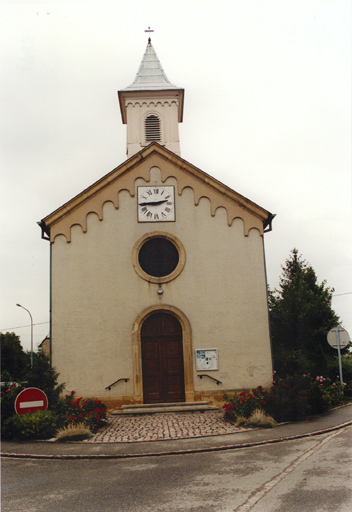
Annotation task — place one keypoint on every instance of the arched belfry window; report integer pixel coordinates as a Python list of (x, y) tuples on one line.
[(152, 128)]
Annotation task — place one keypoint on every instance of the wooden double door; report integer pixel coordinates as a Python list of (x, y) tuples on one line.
[(162, 359)]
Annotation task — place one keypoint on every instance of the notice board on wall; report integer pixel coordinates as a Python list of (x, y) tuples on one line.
[(207, 359)]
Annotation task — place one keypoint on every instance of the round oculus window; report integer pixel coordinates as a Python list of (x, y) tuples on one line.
[(158, 257)]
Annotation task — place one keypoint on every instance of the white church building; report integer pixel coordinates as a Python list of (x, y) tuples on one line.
[(158, 283)]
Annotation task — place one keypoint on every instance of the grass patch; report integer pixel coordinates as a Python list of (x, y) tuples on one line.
[(77, 432), (259, 419)]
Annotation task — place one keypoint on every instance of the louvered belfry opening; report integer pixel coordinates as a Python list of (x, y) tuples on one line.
[(152, 128)]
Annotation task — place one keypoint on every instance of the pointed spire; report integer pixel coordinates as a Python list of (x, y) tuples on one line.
[(151, 94), (150, 75)]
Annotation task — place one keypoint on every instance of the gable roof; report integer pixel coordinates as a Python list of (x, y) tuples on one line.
[(123, 177)]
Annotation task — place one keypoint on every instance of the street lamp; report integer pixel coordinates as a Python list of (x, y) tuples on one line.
[(19, 305)]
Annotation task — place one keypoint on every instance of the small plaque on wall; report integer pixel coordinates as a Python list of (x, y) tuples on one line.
[(206, 359)]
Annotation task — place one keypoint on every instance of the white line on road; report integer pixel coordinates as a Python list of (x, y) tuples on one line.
[(258, 495)]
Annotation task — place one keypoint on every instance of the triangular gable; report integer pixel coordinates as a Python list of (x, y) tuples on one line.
[(75, 211)]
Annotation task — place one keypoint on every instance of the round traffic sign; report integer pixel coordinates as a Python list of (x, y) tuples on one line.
[(31, 400), (344, 338)]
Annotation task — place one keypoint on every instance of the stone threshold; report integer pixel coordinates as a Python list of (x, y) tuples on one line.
[(167, 407)]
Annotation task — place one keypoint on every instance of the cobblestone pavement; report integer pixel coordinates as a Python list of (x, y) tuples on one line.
[(162, 426)]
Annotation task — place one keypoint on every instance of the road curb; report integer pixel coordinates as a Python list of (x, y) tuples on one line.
[(174, 452)]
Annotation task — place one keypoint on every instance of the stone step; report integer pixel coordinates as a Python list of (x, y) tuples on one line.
[(169, 407)]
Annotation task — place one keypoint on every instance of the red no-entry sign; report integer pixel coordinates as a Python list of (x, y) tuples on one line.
[(31, 400)]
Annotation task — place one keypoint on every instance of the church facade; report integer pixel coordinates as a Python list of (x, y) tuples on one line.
[(158, 285)]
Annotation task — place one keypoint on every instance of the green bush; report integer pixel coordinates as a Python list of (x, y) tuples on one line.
[(296, 397), (39, 425), (286, 400)]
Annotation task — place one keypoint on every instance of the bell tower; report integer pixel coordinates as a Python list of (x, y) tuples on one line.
[(151, 107)]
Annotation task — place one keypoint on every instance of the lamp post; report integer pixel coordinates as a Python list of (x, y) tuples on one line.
[(19, 305)]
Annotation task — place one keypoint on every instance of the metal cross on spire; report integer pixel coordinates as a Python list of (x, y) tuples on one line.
[(149, 30)]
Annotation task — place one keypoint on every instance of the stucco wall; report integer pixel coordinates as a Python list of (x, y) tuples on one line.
[(97, 296)]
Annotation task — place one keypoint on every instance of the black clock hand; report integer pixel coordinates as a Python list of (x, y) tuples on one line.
[(153, 203)]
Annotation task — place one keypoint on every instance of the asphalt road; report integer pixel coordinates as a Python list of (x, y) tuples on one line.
[(310, 474)]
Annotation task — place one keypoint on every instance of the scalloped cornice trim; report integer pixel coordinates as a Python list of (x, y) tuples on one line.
[(151, 103), (107, 189)]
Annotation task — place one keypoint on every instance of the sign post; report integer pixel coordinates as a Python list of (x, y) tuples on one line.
[(31, 400), (338, 338)]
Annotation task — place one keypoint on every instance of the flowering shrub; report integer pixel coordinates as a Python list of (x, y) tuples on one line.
[(336, 390), (242, 404), (8, 397), (89, 411), (296, 397), (288, 399)]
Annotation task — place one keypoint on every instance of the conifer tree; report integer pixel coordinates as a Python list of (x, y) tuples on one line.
[(300, 318)]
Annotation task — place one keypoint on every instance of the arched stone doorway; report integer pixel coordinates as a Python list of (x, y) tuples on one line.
[(162, 356), (162, 359)]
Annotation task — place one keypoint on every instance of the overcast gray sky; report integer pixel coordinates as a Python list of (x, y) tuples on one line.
[(267, 112)]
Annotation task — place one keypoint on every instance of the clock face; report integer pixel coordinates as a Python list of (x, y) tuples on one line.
[(156, 204)]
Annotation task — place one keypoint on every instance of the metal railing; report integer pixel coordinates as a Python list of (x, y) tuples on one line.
[(213, 378), (116, 381)]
